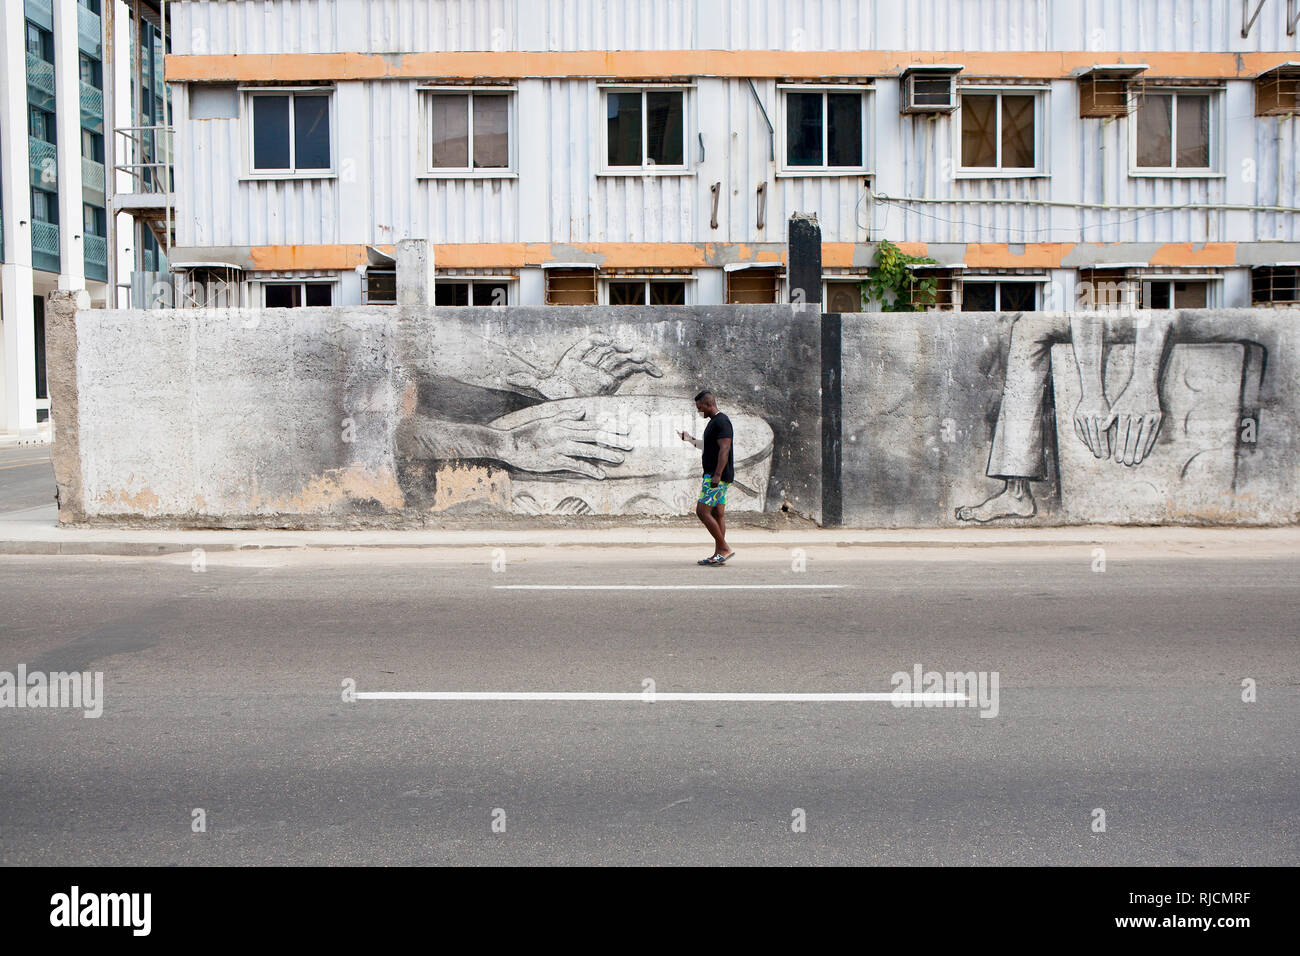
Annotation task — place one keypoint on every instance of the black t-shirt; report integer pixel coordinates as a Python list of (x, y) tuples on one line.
[(719, 427)]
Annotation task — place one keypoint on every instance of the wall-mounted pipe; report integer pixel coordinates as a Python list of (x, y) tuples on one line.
[(762, 204), (716, 189)]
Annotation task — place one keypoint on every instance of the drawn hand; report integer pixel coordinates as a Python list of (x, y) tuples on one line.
[(1137, 416), (561, 442), (594, 366), (1090, 416)]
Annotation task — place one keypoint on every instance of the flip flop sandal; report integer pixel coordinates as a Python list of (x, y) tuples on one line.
[(716, 561), (709, 560), (725, 558)]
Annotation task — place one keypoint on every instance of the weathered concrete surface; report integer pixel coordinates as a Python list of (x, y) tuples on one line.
[(925, 393), (389, 417)]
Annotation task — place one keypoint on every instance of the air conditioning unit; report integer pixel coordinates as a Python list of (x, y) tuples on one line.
[(1106, 90), (930, 89)]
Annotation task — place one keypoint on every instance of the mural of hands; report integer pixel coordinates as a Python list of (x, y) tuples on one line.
[(1136, 416), (1090, 424), (594, 366), (563, 441)]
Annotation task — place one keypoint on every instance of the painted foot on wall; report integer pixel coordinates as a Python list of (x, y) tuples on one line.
[(1005, 504)]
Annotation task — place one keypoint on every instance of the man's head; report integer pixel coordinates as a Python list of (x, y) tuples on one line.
[(706, 404)]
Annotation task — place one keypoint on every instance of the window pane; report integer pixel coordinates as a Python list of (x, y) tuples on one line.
[(843, 297), (1017, 132), (627, 293), (803, 129), (318, 293), (1156, 295), (1193, 131), (979, 296), (490, 293), (491, 131), (311, 120), (844, 138), (667, 293), (450, 293), (664, 128), (1191, 295), (450, 131), (1018, 296), (282, 297), (752, 286), (623, 112), (1154, 133), (270, 132), (979, 127)]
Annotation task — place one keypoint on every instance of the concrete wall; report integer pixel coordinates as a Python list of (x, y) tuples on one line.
[(407, 416), (395, 416), (942, 411)]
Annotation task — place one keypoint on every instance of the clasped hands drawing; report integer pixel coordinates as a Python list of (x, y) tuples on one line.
[(1135, 415), (562, 441)]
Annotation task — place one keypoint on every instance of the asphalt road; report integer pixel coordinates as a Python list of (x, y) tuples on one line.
[(1119, 691), (26, 478)]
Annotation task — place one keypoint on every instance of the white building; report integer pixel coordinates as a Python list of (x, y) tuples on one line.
[(58, 229)]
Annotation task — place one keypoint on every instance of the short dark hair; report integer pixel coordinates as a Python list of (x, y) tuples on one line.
[(703, 395)]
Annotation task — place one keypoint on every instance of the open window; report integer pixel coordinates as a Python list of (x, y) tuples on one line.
[(480, 290), (278, 294), (1177, 291), (935, 288), (1110, 89)]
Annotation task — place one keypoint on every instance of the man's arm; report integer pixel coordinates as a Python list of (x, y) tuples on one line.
[(1136, 414), (724, 452), (1086, 332)]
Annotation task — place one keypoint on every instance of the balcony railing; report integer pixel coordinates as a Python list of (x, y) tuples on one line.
[(40, 74), (89, 30), (44, 160), (92, 175), (96, 248), (146, 154), (45, 245), (92, 106)]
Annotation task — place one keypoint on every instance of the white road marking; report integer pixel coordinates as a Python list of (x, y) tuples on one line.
[(667, 587), (656, 697)]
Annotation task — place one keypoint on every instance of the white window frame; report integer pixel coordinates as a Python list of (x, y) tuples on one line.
[(1213, 286), (249, 93), (1042, 166), (997, 280), (430, 171), (686, 280), (785, 170), (1212, 171), (333, 283), (646, 168), (828, 281), (508, 281)]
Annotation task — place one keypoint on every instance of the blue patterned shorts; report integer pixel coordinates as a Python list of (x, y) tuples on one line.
[(712, 496)]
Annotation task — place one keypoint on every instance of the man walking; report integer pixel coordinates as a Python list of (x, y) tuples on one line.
[(719, 472)]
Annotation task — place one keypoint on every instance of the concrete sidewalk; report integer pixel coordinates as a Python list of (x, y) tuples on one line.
[(35, 531)]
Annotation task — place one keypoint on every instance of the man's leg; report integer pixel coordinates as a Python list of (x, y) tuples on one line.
[(1017, 453), (720, 515), (705, 514)]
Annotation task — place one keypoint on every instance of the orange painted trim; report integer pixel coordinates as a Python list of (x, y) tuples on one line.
[(660, 64), (1195, 254), (998, 255), (713, 255)]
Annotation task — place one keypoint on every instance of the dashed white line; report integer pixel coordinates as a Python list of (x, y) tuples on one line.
[(658, 696)]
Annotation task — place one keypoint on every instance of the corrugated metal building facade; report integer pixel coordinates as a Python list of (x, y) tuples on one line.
[(1083, 204)]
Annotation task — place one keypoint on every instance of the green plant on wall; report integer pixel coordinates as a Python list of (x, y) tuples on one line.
[(893, 286)]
